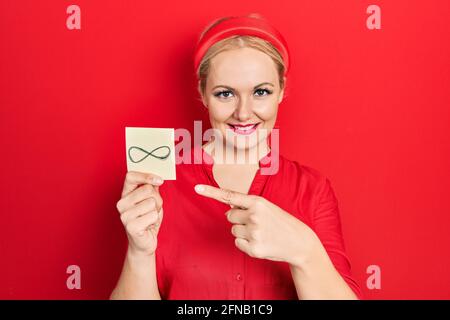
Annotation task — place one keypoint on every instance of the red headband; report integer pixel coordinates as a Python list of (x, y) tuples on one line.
[(242, 26)]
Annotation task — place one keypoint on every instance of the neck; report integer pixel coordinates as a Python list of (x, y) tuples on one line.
[(232, 155)]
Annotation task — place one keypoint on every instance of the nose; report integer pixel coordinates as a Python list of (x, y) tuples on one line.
[(244, 110)]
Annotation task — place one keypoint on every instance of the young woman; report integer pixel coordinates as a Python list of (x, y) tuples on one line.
[(228, 231)]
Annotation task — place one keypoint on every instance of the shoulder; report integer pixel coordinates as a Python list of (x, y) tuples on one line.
[(298, 188), (302, 175), (309, 186)]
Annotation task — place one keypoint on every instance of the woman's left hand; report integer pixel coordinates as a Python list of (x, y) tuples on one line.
[(264, 230)]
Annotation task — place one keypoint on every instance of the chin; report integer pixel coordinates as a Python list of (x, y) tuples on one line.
[(244, 143), (243, 147)]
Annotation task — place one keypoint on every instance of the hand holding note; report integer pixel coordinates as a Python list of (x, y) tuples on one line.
[(150, 161)]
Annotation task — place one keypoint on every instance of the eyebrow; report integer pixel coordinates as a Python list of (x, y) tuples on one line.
[(259, 85)]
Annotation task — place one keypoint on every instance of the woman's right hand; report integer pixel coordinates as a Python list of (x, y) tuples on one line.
[(141, 211)]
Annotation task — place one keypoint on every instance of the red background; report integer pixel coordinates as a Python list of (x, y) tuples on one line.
[(368, 108)]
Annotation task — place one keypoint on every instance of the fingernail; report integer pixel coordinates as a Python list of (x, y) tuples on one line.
[(157, 180), (199, 188)]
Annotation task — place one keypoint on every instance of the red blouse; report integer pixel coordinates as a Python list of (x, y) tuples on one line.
[(196, 257)]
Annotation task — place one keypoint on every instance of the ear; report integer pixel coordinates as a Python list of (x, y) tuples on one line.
[(280, 98), (201, 94)]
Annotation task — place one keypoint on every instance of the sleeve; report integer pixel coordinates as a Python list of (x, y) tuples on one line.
[(326, 224)]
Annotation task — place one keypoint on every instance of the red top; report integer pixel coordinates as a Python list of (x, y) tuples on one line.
[(196, 256)]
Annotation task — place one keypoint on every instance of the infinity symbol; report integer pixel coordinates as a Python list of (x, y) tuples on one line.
[(151, 153)]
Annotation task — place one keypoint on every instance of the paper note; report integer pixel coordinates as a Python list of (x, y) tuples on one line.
[(151, 150)]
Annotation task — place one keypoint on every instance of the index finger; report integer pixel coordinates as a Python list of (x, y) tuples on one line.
[(231, 197), (134, 178)]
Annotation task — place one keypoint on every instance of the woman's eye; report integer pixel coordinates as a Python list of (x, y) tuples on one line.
[(223, 94), (227, 93), (262, 92)]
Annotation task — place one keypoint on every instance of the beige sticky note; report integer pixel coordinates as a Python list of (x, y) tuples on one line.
[(151, 150)]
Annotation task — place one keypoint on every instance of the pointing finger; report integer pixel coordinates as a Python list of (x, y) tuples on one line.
[(225, 196)]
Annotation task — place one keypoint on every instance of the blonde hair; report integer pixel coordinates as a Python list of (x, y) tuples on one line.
[(235, 42)]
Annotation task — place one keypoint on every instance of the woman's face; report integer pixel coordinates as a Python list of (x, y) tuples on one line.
[(242, 94)]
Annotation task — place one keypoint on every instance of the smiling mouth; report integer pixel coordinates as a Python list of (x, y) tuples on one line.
[(243, 129)]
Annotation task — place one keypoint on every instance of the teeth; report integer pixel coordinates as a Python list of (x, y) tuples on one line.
[(246, 128)]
